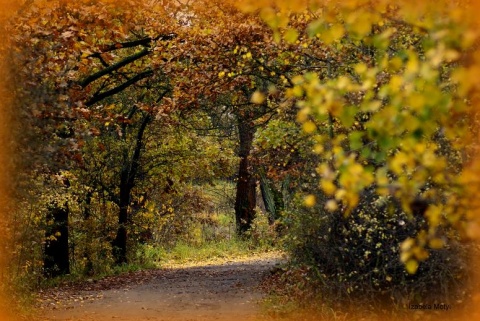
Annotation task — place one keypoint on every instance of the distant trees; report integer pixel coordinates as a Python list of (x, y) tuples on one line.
[(238, 69)]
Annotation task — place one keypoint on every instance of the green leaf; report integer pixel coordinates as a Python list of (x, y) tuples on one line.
[(356, 140), (348, 116), (315, 27), (291, 35)]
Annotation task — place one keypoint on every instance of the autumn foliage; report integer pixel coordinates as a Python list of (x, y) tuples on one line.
[(354, 122), (391, 111)]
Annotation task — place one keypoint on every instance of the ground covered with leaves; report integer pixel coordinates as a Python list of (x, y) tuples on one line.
[(211, 290)]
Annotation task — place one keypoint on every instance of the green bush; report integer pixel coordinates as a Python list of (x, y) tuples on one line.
[(262, 234)]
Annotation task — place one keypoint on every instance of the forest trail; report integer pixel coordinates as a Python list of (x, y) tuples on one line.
[(213, 290)]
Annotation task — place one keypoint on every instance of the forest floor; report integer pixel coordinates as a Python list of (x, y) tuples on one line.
[(213, 290)]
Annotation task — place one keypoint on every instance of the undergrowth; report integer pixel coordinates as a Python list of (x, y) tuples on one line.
[(295, 294), (350, 269), (184, 252)]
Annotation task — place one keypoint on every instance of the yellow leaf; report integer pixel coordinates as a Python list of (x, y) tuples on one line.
[(360, 68), (382, 178), (297, 91), (417, 101), (309, 127), (257, 98), (340, 194), (318, 149), (298, 80), (310, 200), (343, 82), (331, 205), (395, 64), (303, 114), (407, 244), (371, 106), (337, 31), (333, 34), (411, 266), (395, 83), (351, 200), (420, 253), (434, 215), (404, 256), (398, 161), (328, 187), (355, 169), (413, 65), (436, 243), (361, 25)]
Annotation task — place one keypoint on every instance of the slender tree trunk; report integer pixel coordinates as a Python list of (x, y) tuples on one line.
[(127, 182), (245, 200), (56, 259), (120, 242), (89, 234)]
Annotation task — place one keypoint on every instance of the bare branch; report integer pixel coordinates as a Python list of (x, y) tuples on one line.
[(84, 83), (116, 90)]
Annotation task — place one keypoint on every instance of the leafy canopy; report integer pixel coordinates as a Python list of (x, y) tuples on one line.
[(391, 105)]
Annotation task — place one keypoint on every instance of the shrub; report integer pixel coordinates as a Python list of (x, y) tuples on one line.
[(262, 234), (357, 259)]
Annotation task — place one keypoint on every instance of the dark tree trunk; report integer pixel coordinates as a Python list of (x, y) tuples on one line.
[(245, 200), (120, 242), (56, 260), (89, 232), (127, 182)]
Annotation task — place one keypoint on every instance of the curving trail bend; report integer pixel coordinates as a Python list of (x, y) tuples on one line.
[(210, 291)]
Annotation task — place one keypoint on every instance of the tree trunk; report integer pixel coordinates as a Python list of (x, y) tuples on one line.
[(120, 242), (89, 232), (56, 260), (127, 182), (245, 200)]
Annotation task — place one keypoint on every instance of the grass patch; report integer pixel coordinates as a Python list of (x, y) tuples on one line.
[(185, 253)]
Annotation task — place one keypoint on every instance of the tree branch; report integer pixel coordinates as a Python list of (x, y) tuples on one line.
[(116, 90), (146, 42), (84, 83)]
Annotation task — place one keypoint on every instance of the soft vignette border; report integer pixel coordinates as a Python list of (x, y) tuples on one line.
[(7, 8)]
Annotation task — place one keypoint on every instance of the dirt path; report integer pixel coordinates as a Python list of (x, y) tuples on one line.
[(211, 291)]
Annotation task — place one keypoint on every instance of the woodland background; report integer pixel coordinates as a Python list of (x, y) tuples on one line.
[(343, 133)]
